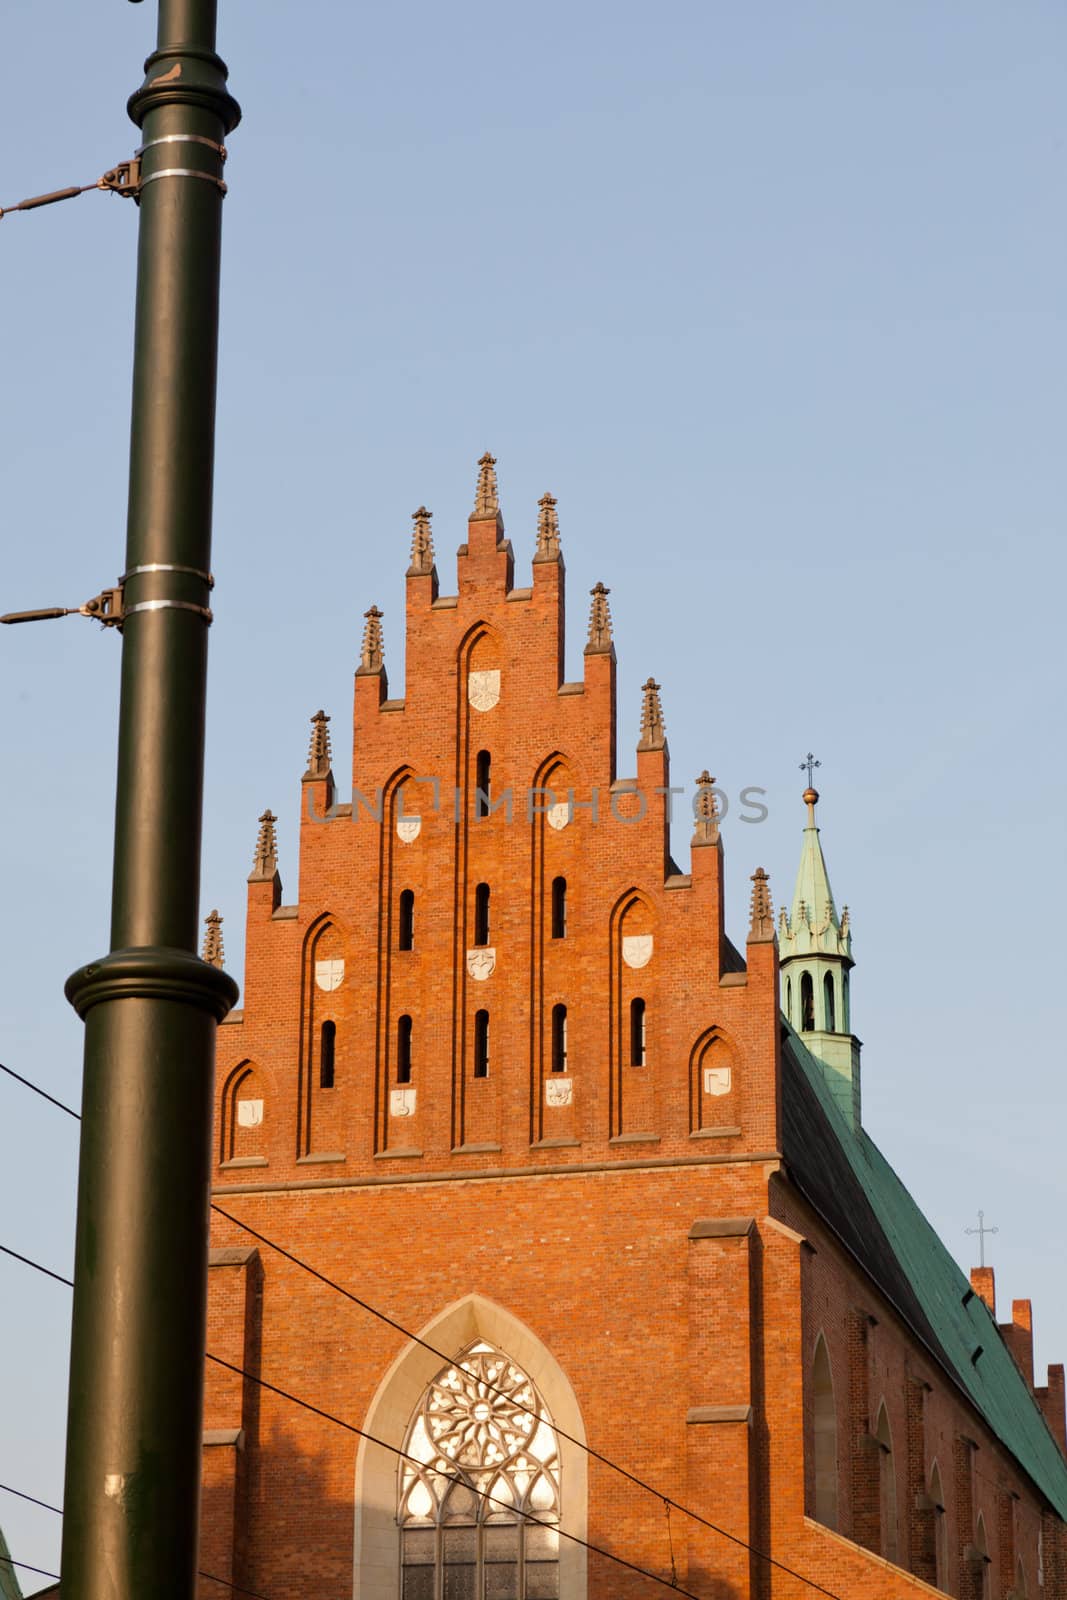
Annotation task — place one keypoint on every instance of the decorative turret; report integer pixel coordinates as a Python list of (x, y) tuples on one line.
[(266, 863), (372, 654), (653, 734), (213, 952), (319, 749), (707, 811), (547, 530), (761, 927), (422, 557), (816, 958), (486, 497), (600, 640)]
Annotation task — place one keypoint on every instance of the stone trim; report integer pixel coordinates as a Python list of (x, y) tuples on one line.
[(235, 1437), (473, 1149), (719, 1414), (722, 1227), (497, 1174), (232, 1255), (715, 1133), (327, 1155), (394, 1155), (245, 1161), (634, 1138)]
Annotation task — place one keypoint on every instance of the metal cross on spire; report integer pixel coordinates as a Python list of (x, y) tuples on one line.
[(981, 1231), (810, 763)]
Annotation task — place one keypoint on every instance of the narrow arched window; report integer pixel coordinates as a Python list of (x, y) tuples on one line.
[(481, 913), (846, 1009), (981, 1544), (559, 1038), (828, 1003), (637, 1033), (824, 1414), (483, 783), (479, 1499), (481, 1044), (327, 1054), (807, 1003), (403, 1049), (887, 1486), (937, 1496), (406, 928), (559, 908), (789, 999)]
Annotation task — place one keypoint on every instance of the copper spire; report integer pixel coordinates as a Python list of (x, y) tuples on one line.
[(486, 500), (653, 734), (547, 530), (599, 641), (266, 862), (213, 953), (761, 930), (319, 751), (422, 557), (372, 654)]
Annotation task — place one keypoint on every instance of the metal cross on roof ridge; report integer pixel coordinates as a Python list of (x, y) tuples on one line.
[(981, 1231)]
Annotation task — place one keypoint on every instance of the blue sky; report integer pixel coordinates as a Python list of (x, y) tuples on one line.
[(771, 298)]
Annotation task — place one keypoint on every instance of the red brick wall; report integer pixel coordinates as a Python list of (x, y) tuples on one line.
[(687, 1348)]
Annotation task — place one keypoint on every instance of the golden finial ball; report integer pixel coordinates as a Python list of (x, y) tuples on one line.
[(811, 797)]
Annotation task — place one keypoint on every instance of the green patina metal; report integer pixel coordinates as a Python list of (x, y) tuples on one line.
[(815, 945), (845, 1176), (9, 1584)]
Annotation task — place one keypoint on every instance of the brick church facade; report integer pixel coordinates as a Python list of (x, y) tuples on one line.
[(502, 1075)]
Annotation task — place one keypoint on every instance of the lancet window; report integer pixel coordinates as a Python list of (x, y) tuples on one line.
[(479, 1501)]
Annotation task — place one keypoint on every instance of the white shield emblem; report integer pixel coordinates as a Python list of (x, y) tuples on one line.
[(558, 1091), (328, 974), (401, 1102), (717, 1080), (249, 1113), (483, 689), (637, 949), (480, 963), (559, 815), (408, 828)]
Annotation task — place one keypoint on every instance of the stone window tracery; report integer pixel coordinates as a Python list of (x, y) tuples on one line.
[(479, 1503)]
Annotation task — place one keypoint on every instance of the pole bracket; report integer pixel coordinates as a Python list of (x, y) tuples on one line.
[(109, 607)]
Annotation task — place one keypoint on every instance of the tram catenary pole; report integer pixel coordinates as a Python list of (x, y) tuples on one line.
[(151, 1007)]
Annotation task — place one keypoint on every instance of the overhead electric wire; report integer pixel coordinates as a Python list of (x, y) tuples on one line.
[(45, 1505), (365, 1305), (24, 1566)]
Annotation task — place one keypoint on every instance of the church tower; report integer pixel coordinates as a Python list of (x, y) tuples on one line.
[(816, 958)]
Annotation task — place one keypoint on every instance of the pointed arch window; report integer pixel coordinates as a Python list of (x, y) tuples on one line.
[(559, 1038), (937, 1496), (559, 908), (403, 1049), (483, 1458), (327, 1054), (789, 999), (481, 913), (824, 1413), (807, 1003), (406, 920), (829, 1016), (887, 1485), (481, 1044), (637, 1033), (483, 777)]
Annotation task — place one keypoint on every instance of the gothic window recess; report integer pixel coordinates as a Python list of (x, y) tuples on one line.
[(480, 1497)]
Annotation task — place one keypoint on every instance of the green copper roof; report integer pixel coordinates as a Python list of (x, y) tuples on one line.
[(813, 926), (849, 1182), (9, 1584)]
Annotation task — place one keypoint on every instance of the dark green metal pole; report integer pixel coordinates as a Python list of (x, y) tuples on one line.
[(151, 1007)]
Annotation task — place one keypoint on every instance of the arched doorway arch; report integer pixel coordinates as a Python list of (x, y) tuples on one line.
[(389, 1416)]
